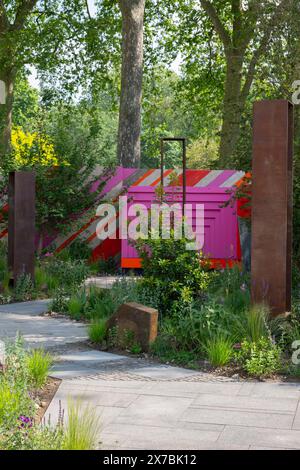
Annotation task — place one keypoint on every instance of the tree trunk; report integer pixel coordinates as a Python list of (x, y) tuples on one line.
[(129, 136), (8, 78), (233, 108)]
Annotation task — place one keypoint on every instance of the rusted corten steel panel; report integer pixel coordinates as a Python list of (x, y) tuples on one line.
[(272, 204), (21, 223)]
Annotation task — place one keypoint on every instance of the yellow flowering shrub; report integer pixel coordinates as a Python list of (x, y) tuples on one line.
[(31, 149)]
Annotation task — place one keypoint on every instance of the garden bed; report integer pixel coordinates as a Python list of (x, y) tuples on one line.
[(44, 397)]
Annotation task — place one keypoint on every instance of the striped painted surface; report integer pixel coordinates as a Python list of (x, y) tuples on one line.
[(208, 187)]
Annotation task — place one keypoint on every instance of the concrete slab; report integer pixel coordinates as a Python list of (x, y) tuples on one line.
[(162, 372), (229, 416), (34, 307), (37, 330), (91, 357), (255, 436)]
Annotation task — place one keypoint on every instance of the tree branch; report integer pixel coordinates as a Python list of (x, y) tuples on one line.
[(4, 22), (262, 47), (88, 9), (22, 13), (218, 25)]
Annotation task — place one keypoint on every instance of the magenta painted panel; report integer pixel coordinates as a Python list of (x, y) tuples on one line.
[(220, 222)]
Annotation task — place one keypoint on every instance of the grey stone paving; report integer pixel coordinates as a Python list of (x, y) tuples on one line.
[(106, 282), (38, 330), (143, 405)]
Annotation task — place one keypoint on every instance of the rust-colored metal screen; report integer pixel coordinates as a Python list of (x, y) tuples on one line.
[(272, 204)]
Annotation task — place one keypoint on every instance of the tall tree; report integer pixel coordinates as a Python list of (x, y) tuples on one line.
[(129, 135), (40, 33), (244, 28), (10, 26)]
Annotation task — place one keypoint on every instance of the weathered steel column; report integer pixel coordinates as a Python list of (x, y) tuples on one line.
[(21, 223), (272, 205)]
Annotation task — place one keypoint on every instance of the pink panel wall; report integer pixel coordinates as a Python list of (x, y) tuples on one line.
[(220, 240)]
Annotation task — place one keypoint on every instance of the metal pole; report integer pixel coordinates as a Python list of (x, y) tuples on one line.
[(183, 141)]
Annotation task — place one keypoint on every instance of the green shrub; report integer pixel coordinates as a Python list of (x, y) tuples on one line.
[(261, 358), (82, 429), (107, 266), (38, 364), (76, 305), (79, 250), (97, 331), (219, 351), (165, 349), (24, 289), (59, 302), (32, 437), (136, 348), (14, 402), (69, 274), (14, 398), (230, 287), (112, 337), (173, 272), (40, 278)]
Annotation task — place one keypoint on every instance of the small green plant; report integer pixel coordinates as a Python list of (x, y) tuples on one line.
[(261, 358), (69, 274), (219, 351), (82, 430), (126, 339), (40, 279), (97, 331), (38, 364), (76, 305), (24, 289), (256, 322), (59, 302), (112, 337), (136, 348), (107, 266), (14, 402), (79, 250)]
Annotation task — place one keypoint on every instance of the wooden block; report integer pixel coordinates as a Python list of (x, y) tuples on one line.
[(139, 319)]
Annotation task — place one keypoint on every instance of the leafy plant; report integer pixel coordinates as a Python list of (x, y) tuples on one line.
[(38, 364), (76, 305), (69, 274), (175, 273), (14, 402), (107, 266), (261, 358), (79, 250), (136, 348), (40, 278), (112, 337), (24, 289), (59, 302)]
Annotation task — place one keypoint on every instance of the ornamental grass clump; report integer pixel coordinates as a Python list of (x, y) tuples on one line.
[(38, 363), (97, 331), (219, 351), (82, 429)]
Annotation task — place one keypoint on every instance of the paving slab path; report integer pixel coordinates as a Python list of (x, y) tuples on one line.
[(38, 330), (144, 405)]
